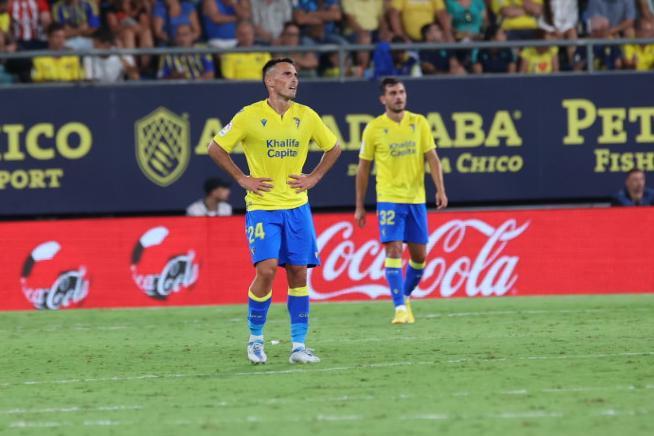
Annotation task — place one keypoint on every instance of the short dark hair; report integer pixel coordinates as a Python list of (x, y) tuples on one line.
[(213, 183), (104, 35), (54, 27), (388, 81), (289, 24), (271, 64), (634, 171), (424, 29)]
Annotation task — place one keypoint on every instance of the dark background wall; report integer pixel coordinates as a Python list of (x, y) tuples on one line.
[(75, 150)]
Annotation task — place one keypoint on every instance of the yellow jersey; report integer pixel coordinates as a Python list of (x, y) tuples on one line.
[(539, 62), (275, 146), (399, 149), (57, 69), (643, 55), (416, 13), (4, 22), (243, 66), (522, 22)]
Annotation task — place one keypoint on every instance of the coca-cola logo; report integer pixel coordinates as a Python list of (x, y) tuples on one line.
[(463, 256), (179, 272), (68, 287)]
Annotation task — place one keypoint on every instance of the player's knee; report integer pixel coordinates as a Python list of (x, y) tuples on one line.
[(266, 272), (297, 275), (418, 259), (394, 250)]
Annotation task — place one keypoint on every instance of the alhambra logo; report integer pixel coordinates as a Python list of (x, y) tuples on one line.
[(162, 146)]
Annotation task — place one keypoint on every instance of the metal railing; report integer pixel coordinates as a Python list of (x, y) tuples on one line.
[(343, 49)]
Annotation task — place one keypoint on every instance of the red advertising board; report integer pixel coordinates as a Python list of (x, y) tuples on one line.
[(139, 262)]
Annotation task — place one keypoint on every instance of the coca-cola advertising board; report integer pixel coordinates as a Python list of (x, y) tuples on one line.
[(144, 262)]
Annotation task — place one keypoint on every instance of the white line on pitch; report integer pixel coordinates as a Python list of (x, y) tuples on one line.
[(72, 409), (334, 369), (518, 312)]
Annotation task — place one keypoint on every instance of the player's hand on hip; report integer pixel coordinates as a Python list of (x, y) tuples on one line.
[(441, 200), (360, 216), (255, 185), (302, 182)]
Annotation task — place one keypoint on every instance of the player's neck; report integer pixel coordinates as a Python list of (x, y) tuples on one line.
[(279, 104), (395, 116)]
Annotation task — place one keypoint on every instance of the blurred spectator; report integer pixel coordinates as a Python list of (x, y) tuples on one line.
[(645, 9), (269, 17), (244, 66), (5, 18), (80, 19), (305, 62), (64, 68), (220, 18), (186, 66), (398, 62), (494, 60), (319, 21), (560, 17), (605, 57), (5, 46), (112, 68), (363, 19), (640, 57), (29, 19), (634, 193), (168, 15), (214, 203), (407, 17), (518, 18), (468, 18), (620, 13), (130, 20), (434, 61), (539, 60)]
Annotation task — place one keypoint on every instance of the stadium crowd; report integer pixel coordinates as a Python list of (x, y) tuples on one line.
[(69, 25)]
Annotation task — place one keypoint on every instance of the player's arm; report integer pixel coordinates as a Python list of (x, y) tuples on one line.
[(304, 182), (224, 161), (437, 176), (362, 177)]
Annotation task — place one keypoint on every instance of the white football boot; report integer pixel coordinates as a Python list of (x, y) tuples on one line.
[(256, 355), (303, 355)]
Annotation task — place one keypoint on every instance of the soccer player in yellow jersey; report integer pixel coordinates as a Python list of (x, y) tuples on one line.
[(275, 135), (401, 142)]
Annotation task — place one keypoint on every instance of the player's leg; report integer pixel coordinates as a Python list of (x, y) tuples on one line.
[(299, 251), (391, 217), (263, 233), (417, 236)]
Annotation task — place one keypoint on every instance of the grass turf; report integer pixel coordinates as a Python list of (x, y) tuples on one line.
[(556, 365)]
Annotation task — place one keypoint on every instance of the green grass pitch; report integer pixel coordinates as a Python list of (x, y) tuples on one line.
[(502, 366)]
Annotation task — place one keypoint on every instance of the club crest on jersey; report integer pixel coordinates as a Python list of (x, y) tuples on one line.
[(413, 127), (162, 146), (385, 131), (297, 122), (264, 122)]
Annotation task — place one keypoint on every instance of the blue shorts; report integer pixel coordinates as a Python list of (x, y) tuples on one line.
[(287, 235), (403, 222)]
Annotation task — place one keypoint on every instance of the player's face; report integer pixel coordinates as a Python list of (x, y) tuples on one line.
[(394, 98), (284, 80)]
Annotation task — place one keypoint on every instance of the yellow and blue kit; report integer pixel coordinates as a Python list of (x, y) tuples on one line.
[(278, 222), (399, 151)]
